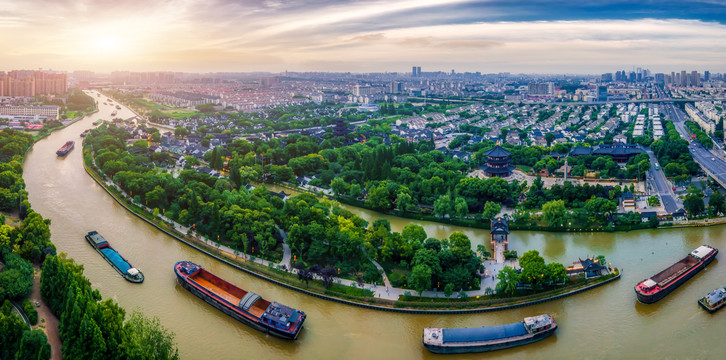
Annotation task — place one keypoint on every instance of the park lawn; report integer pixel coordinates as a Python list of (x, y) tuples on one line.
[(180, 114), (73, 114), (148, 104)]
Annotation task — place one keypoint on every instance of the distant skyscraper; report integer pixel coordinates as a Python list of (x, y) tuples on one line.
[(602, 93), (684, 78), (607, 77), (706, 75), (695, 78), (416, 71), (660, 78), (632, 77), (541, 89)]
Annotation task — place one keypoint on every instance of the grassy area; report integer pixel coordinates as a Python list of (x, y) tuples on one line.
[(73, 114), (180, 114)]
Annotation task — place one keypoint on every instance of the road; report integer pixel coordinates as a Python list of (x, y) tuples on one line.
[(713, 164), (661, 185)]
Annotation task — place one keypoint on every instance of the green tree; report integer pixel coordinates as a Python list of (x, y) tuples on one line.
[(145, 338), (716, 203), (461, 209), (339, 186), (549, 137), (413, 233), (555, 213), (491, 209), (181, 132), (654, 201), (379, 197), (420, 278), (508, 280), (442, 205), (599, 207), (694, 204), (33, 346), (530, 257), (403, 201), (355, 191), (448, 289), (557, 272)]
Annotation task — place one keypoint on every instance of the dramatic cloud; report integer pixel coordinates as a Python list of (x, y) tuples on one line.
[(274, 35)]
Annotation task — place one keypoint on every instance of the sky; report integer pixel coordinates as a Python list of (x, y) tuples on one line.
[(534, 36)]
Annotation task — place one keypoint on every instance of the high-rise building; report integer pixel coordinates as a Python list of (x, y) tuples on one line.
[(706, 75), (695, 78), (541, 89), (684, 78), (396, 87), (29, 83), (660, 78), (416, 71), (602, 93), (607, 77)]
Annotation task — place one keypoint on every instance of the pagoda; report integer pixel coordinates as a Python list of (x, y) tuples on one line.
[(498, 162)]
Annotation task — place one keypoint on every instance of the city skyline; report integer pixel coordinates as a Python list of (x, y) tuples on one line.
[(354, 36)]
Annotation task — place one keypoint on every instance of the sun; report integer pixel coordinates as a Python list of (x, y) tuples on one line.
[(106, 45)]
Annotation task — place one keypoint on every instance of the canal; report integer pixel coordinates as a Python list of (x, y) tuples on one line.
[(606, 322)]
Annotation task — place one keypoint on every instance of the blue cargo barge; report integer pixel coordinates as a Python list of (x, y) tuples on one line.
[(488, 338), (117, 261)]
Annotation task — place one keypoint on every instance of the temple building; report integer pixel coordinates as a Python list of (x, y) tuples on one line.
[(499, 231), (590, 266), (498, 162)]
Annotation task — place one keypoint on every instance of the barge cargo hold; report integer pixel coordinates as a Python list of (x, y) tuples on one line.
[(117, 261), (66, 148), (663, 283), (488, 338), (244, 306), (714, 300)]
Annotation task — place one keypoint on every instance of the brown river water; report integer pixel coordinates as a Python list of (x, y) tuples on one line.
[(605, 323)]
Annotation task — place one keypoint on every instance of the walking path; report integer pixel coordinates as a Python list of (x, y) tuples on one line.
[(50, 325)]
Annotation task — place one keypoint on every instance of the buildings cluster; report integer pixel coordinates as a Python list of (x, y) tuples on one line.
[(29, 83), (705, 123), (30, 113), (182, 98)]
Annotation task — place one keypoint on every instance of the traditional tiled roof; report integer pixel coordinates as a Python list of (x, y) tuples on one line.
[(581, 150), (498, 151), (499, 226)]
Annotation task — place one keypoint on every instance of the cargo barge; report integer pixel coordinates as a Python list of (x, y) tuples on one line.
[(714, 300), (244, 306), (66, 148), (488, 338), (121, 265), (663, 283)]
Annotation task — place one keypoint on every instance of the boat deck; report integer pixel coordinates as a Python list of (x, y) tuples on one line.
[(666, 276), (234, 300)]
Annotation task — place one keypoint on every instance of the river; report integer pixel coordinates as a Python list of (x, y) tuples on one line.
[(606, 322)]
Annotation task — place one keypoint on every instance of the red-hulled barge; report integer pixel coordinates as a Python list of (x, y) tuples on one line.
[(661, 284), (245, 306)]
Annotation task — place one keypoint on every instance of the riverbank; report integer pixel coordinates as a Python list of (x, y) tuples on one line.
[(350, 295)]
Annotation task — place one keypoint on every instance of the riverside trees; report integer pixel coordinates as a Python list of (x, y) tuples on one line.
[(95, 329)]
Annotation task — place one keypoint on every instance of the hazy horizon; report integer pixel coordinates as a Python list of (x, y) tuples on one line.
[(532, 37)]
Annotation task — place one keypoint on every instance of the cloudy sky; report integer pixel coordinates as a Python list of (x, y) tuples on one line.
[(534, 36)]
